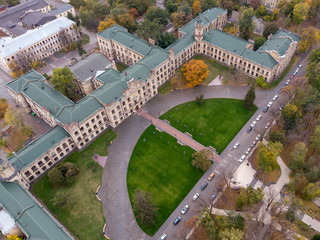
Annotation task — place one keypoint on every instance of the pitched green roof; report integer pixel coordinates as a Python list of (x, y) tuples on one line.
[(208, 16), (279, 42), (36, 148), (34, 220), (121, 35), (155, 57), (182, 43), (264, 59)]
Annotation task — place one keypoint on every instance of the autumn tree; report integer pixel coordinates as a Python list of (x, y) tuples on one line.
[(62, 81), (260, 11), (3, 107), (246, 25), (298, 156), (228, 5), (315, 140), (60, 199), (267, 160), (195, 71), (270, 28), (106, 24), (260, 81), (315, 56), (275, 147), (145, 210), (196, 7), (290, 114), (248, 102), (178, 19), (300, 12), (311, 191), (207, 4), (133, 12), (202, 159), (310, 37), (258, 42), (313, 74), (255, 4), (277, 136), (231, 234), (127, 21)]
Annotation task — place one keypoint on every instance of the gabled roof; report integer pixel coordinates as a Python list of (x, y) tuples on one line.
[(36, 19), (122, 36), (182, 43), (208, 16), (60, 9), (34, 220), (38, 147), (264, 59), (155, 57)]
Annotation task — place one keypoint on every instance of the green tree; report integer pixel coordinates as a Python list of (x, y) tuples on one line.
[(200, 100), (316, 237), (56, 177), (315, 139), (261, 11), (267, 160), (145, 210), (309, 37), (158, 14), (60, 199), (261, 82), (246, 25), (207, 4), (315, 56), (231, 234), (202, 159), (277, 136), (275, 147), (311, 191), (27, 130), (101, 10), (127, 21), (248, 102), (270, 28), (62, 81), (242, 199), (258, 42), (300, 12), (298, 156), (290, 114), (166, 39), (172, 6), (141, 5), (2, 142), (178, 19), (3, 107), (313, 74), (228, 5), (150, 29)]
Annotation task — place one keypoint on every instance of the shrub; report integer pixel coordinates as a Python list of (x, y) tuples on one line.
[(261, 83), (200, 99)]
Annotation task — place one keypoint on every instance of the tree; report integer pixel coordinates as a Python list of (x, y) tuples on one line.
[(275, 147), (315, 139), (63, 174), (311, 191), (207, 4), (100, 10), (248, 102), (231, 234), (290, 114), (316, 237), (93, 24), (298, 156), (246, 24), (271, 196), (196, 7), (150, 29), (172, 6), (3, 107), (158, 14), (300, 12), (315, 56), (277, 136), (166, 39), (133, 12), (13, 117), (267, 160), (141, 5), (28, 131), (261, 82), (14, 237), (2, 142), (200, 100), (310, 37), (106, 24), (144, 208), (261, 11), (127, 21), (255, 4), (202, 159), (56, 177), (313, 74), (60, 199), (270, 28), (62, 81), (178, 19), (228, 5), (258, 42), (195, 71)]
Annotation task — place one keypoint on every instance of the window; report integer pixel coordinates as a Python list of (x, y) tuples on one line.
[(76, 133), (87, 124), (112, 111), (92, 120)]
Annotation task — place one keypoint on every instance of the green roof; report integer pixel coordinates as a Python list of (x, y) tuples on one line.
[(207, 17), (264, 59), (279, 42), (155, 57), (38, 147), (34, 220), (121, 35), (31, 84), (182, 43)]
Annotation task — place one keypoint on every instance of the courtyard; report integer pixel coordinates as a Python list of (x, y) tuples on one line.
[(83, 214)]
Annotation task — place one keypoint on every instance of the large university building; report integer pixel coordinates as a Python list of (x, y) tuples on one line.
[(115, 95)]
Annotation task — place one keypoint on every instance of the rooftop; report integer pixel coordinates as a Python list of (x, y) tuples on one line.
[(182, 43), (87, 68), (61, 9), (34, 220), (36, 19), (11, 46), (13, 28)]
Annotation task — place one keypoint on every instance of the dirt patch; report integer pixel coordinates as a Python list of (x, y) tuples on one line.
[(15, 140), (228, 199)]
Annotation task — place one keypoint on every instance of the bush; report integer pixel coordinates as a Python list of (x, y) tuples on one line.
[(277, 136), (200, 100), (261, 83), (60, 199)]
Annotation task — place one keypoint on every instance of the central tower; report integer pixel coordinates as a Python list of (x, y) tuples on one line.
[(198, 30)]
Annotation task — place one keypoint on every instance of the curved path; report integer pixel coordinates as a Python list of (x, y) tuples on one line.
[(121, 224)]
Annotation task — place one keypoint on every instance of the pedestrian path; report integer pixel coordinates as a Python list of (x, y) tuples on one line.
[(181, 137)]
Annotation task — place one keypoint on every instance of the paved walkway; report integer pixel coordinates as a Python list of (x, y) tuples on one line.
[(216, 81), (100, 159)]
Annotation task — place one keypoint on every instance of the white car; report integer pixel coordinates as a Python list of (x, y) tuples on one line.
[(163, 237), (300, 65), (248, 151), (267, 125), (258, 137), (275, 98), (236, 145), (269, 104), (288, 81), (195, 197), (242, 158), (253, 123), (259, 117), (185, 209)]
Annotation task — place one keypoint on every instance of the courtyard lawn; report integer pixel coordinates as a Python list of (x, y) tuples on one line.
[(214, 123), (83, 214), (121, 66), (161, 167)]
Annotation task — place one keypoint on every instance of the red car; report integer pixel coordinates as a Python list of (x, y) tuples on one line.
[(291, 76)]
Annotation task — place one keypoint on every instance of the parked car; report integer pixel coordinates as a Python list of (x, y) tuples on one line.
[(295, 73), (275, 98), (281, 107), (265, 109), (258, 137), (253, 144), (177, 220), (259, 117), (253, 124), (236, 145), (267, 125), (279, 91), (248, 151), (203, 186), (195, 197), (288, 81), (185, 209), (249, 129), (300, 65), (213, 196), (211, 176), (269, 104), (242, 158), (291, 76), (163, 237)]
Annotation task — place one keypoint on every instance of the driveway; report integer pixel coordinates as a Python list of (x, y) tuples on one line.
[(121, 223)]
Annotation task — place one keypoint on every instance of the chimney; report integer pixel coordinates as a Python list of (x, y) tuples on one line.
[(151, 41)]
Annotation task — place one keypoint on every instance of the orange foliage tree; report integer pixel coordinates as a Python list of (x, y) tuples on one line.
[(133, 12), (196, 7), (106, 24), (195, 71)]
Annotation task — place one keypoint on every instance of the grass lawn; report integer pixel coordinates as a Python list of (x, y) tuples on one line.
[(161, 167), (85, 39), (303, 229), (218, 120), (83, 214), (121, 66)]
